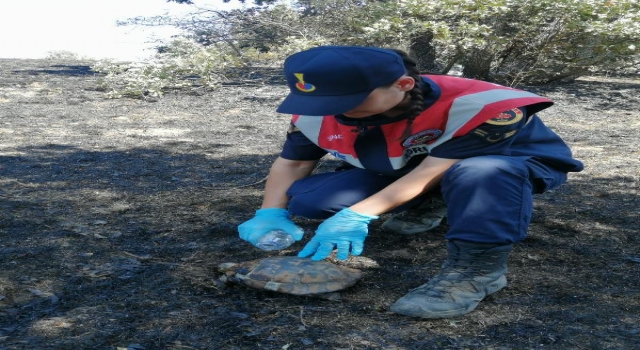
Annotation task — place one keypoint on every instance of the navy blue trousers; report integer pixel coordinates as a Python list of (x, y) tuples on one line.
[(489, 198)]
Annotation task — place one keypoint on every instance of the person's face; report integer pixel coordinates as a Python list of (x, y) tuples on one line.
[(384, 100)]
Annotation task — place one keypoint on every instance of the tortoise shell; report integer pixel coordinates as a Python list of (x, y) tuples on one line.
[(292, 275)]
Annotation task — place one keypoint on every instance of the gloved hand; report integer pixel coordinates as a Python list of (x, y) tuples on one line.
[(268, 219), (346, 230)]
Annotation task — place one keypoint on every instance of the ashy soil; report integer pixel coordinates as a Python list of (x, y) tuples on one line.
[(115, 213)]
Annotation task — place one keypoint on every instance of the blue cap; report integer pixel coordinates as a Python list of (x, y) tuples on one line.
[(330, 80)]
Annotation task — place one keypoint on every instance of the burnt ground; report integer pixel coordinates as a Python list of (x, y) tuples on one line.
[(115, 213)]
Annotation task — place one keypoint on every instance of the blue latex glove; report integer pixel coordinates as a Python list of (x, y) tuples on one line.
[(268, 219), (346, 231)]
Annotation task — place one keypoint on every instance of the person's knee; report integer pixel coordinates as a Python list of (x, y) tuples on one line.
[(484, 169), (303, 207), (322, 195)]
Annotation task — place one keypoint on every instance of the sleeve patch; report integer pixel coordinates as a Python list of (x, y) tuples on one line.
[(507, 118)]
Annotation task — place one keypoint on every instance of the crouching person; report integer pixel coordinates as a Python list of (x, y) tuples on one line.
[(421, 147)]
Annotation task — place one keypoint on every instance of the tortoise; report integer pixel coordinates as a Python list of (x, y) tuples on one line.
[(291, 275)]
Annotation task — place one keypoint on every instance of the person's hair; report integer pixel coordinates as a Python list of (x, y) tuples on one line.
[(416, 94)]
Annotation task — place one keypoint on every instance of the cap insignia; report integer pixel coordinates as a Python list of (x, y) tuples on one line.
[(301, 85)]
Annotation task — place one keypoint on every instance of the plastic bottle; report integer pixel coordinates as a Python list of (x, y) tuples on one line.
[(275, 240)]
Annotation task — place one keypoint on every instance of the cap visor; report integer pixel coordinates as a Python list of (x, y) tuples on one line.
[(320, 105)]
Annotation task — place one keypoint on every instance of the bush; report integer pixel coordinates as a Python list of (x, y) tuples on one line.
[(512, 42), (519, 41), (182, 64), (62, 55)]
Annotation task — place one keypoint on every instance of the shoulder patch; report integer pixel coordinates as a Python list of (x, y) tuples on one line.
[(423, 137), (507, 118)]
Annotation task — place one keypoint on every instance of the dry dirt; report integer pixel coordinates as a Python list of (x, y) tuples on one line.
[(115, 213)]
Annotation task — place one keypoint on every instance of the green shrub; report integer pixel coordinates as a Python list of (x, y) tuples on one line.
[(183, 64), (512, 42)]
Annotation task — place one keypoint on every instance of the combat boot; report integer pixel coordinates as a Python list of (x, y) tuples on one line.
[(425, 217), (471, 272)]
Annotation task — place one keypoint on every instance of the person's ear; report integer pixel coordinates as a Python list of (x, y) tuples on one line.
[(405, 83)]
